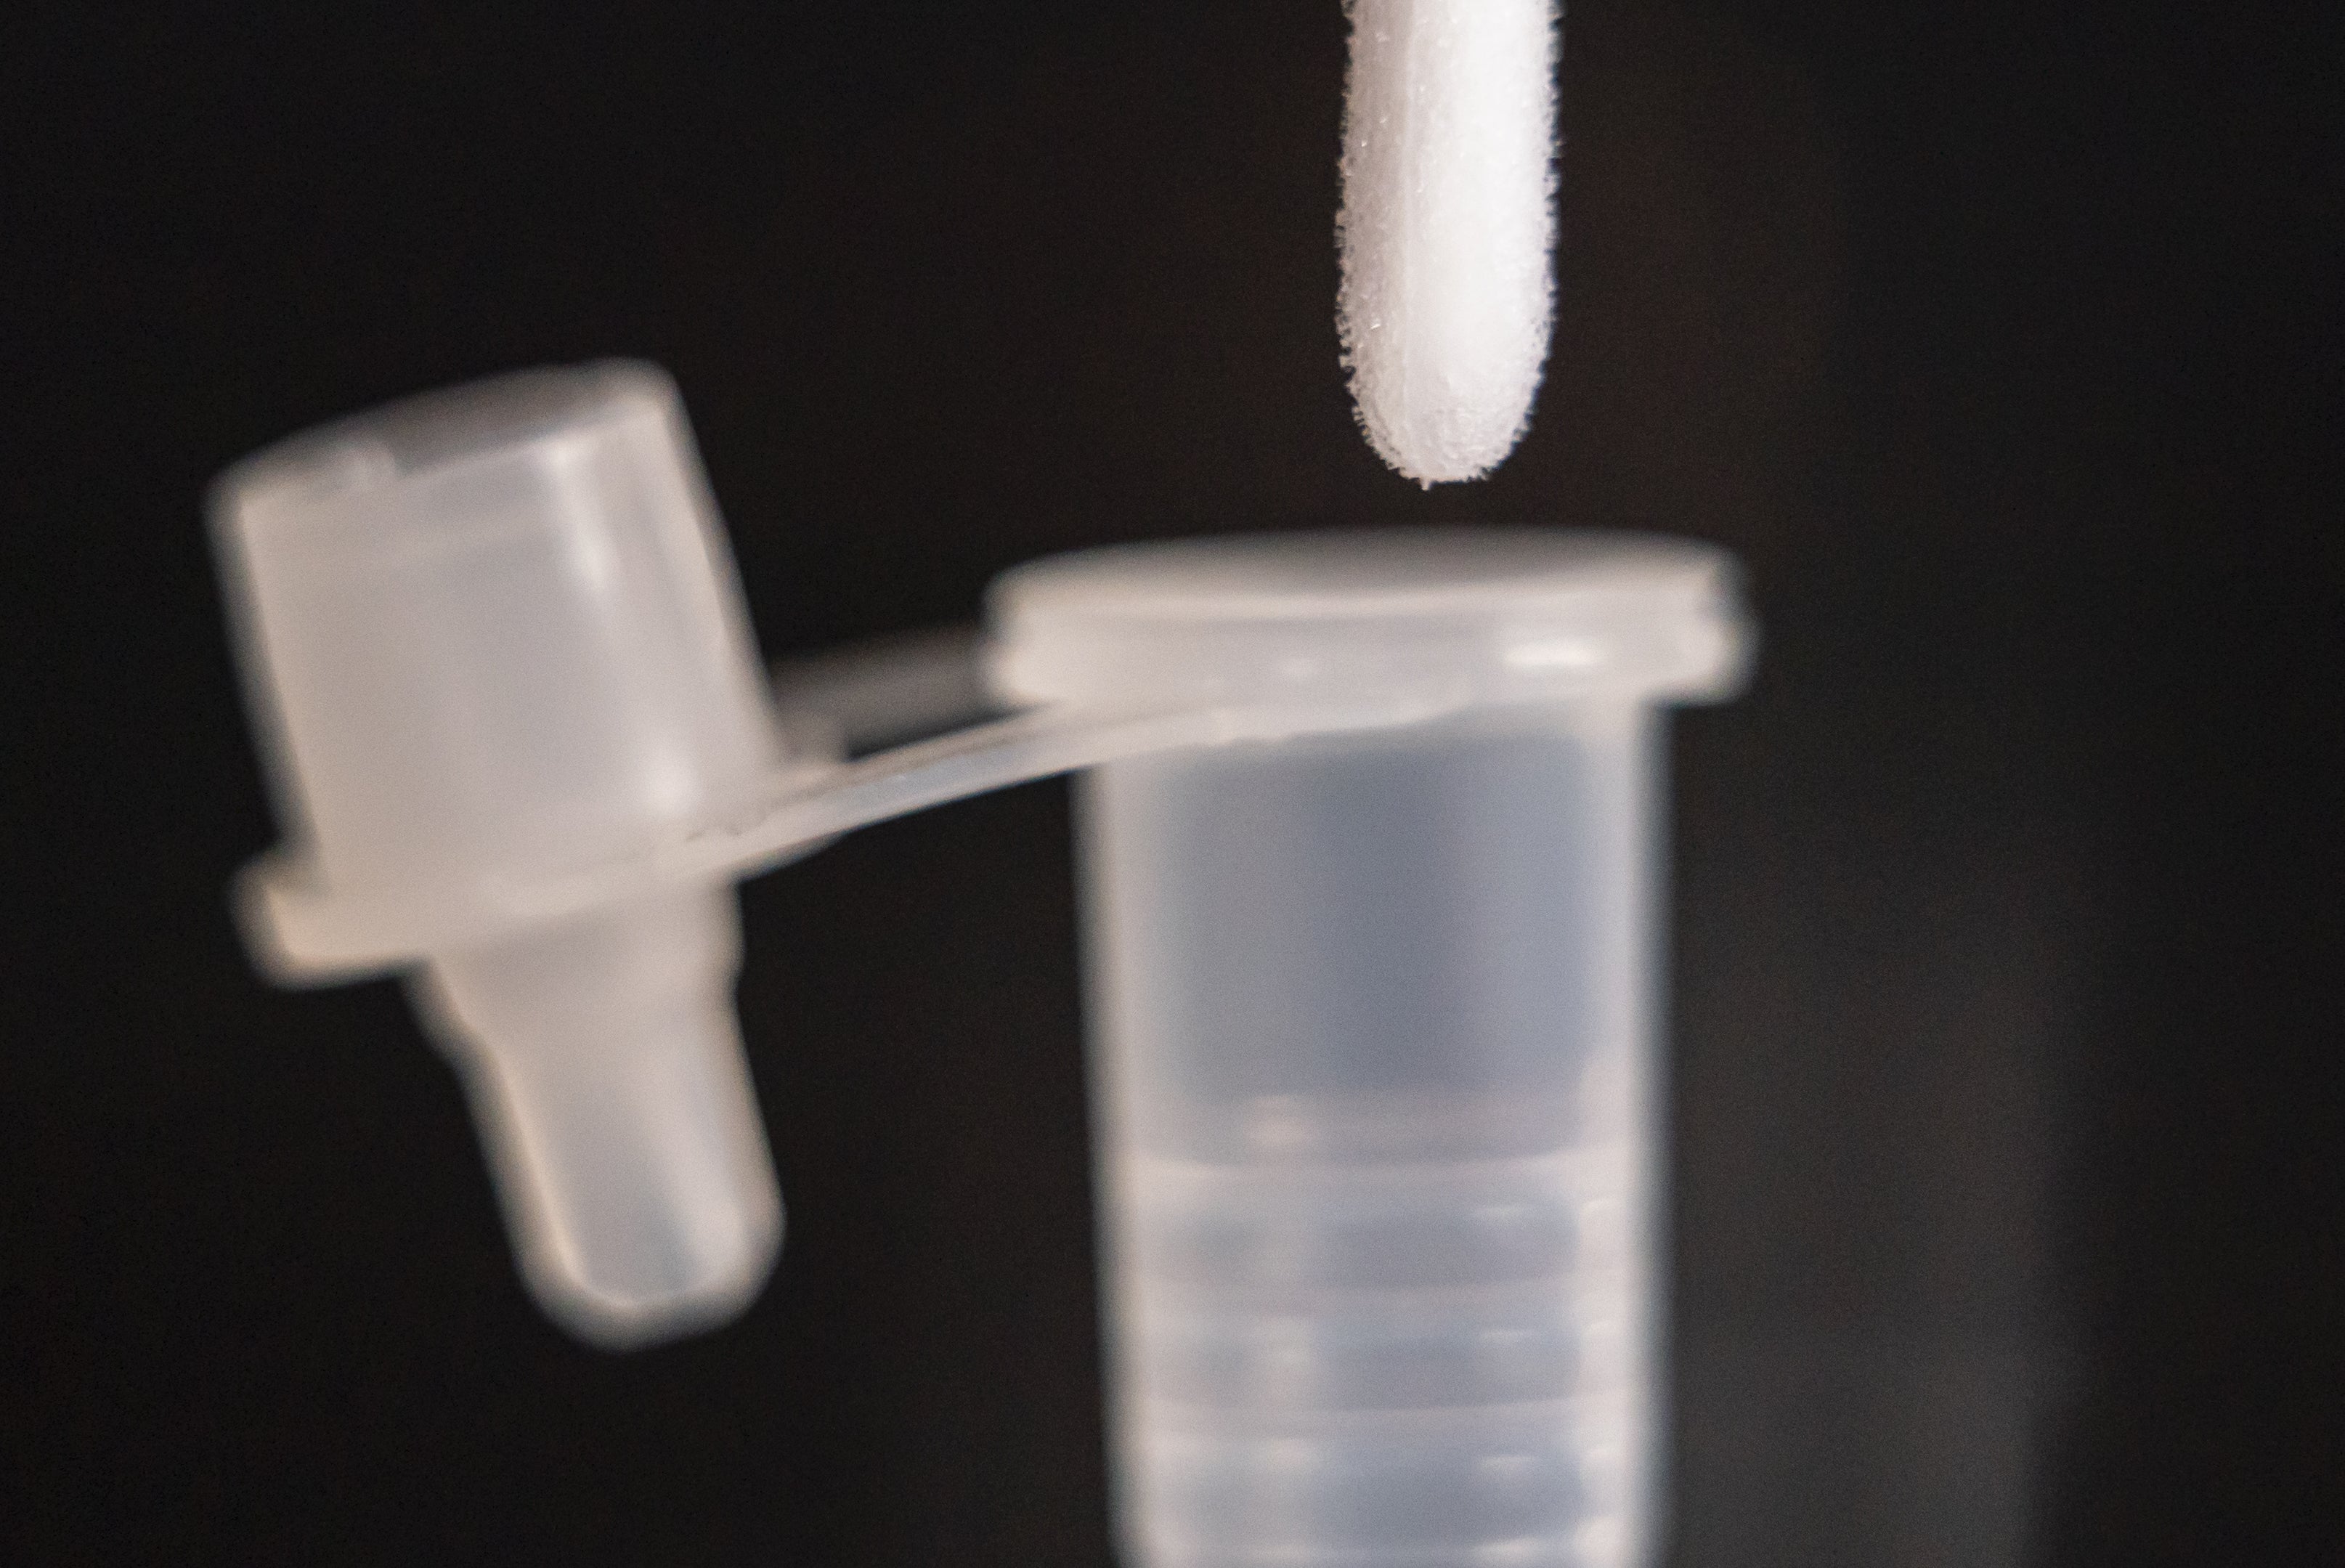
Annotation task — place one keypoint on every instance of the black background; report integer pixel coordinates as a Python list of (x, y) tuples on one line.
[(2000, 341)]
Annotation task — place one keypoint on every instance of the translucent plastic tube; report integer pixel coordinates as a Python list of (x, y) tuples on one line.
[(1378, 1132), (1377, 1076), (1371, 872)]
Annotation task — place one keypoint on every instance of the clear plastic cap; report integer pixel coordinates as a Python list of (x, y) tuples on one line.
[(495, 628), (494, 634)]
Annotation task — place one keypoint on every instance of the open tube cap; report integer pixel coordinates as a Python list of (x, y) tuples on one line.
[(493, 634)]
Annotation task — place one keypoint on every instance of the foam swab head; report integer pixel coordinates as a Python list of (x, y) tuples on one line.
[(1447, 226)]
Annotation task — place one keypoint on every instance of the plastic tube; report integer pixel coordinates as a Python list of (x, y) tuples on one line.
[(1371, 883), (1376, 1066)]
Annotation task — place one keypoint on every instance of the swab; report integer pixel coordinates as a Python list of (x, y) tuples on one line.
[(1447, 226)]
